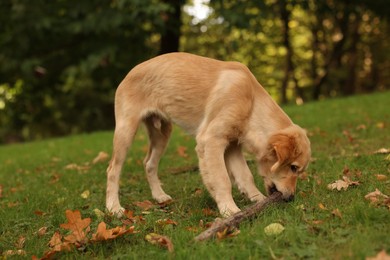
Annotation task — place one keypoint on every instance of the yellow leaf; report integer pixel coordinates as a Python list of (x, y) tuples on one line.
[(101, 157), (321, 206), (85, 194), (273, 229)]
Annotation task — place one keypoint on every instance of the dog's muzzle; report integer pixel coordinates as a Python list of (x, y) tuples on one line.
[(272, 189)]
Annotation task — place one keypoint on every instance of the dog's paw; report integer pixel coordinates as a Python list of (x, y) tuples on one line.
[(117, 211), (228, 211), (162, 198), (257, 198)]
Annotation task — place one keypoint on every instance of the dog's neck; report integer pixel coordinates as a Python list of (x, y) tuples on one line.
[(266, 119)]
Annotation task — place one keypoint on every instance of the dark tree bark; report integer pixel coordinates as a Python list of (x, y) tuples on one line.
[(170, 37), (289, 67), (349, 87)]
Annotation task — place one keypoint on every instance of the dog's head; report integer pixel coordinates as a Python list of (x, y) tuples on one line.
[(287, 155)]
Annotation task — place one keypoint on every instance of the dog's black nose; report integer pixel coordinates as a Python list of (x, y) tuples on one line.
[(290, 198)]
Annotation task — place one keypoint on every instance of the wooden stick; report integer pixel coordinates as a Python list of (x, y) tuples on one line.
[(237, 218)]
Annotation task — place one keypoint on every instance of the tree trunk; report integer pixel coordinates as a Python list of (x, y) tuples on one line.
[(288, 71), (350, 85), (170, 37)]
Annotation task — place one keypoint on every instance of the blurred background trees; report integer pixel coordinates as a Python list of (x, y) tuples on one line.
[(61, 60)]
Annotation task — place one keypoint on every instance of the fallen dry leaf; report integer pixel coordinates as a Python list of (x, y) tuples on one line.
[(42, 231), (160, 240), (209, 212), (18, 252), (321, 206), (274, 229), (182, 151), (166, 222), (54, 178), (336, 213), (378, 198), (382, 255), (39, 213), (74, 166), (227, 232), (85, 194), (20, 243), (1, 191), (103, 234), (381, 177), (380, 125), (57, 245), (78, 226), (145, 205), (101, 157), (130, 218), (382, 151), (342, 184)]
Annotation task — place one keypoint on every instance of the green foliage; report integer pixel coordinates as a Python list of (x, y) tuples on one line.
[(62, 60)]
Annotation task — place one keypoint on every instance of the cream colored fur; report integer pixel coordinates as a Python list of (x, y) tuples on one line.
[(225, 108)]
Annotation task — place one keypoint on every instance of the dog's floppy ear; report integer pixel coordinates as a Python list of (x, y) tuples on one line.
[(284, 147)]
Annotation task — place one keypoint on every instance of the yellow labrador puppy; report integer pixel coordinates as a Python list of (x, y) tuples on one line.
[(226, 109)]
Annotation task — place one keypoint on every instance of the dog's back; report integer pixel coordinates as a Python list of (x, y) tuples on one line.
[(179, 86)]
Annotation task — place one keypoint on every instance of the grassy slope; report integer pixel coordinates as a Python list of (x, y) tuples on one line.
[(33, 178)]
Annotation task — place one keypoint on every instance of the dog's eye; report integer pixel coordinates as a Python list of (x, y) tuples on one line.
[(294, 168)]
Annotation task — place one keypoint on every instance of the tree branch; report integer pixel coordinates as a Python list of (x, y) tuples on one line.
[(237, 218)]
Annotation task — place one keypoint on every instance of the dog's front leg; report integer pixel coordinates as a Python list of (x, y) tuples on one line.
[(214, 174), (239, 170)]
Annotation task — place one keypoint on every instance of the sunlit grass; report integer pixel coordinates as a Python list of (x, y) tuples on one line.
[(37, 189)]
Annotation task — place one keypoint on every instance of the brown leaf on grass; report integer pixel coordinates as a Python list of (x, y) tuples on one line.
[(321, 206), (209, 212), (79, 227), (378, 198), (227, 232), (104, 234), (39, 213), (20, 243), (166, 222), (129, 218), (101, 157), (336, 213), (42, 231), (382, 151), (74, 166), (381, 177), (182, 151), (382, 255), (163, 241), (54, 178), (347, 134), (145, 205), (342, 184), (57, 244), (1, 191), (18, 252)]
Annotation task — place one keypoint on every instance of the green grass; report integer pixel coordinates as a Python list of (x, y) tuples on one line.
[(34, 180)]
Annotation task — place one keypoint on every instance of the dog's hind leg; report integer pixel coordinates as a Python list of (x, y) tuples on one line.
[(125, 130), (159, 131), (239, 170)]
